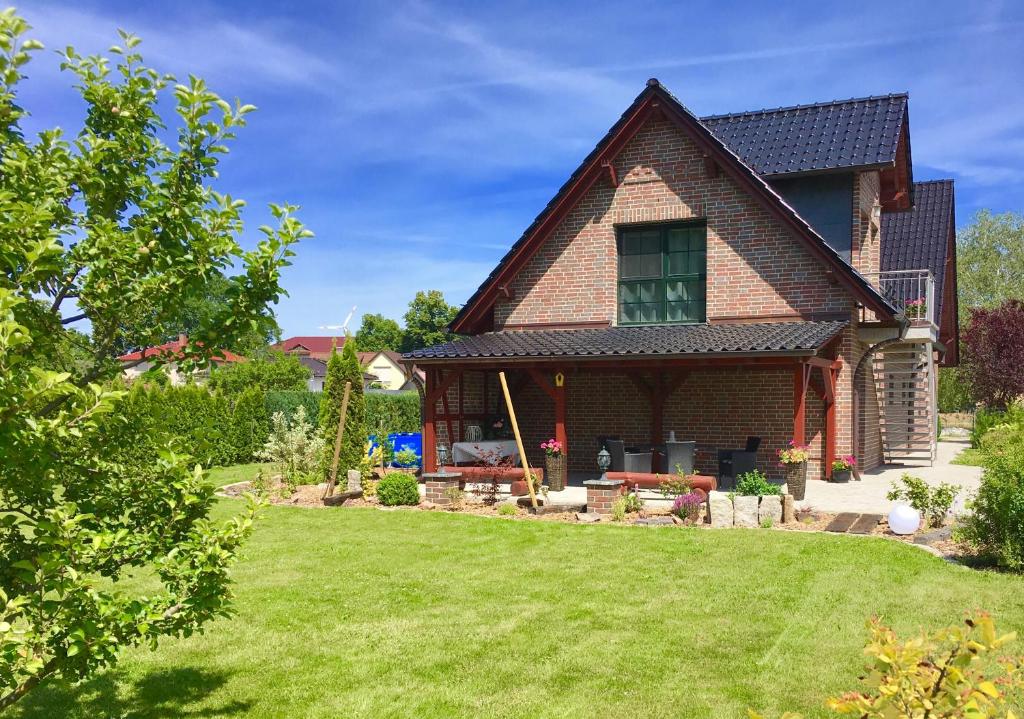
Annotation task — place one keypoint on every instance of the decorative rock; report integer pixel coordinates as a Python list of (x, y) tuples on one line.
[(654, 521), (744, 511), (355, 480), (788, 509), (770, 509), (588, 517), (720, 506)]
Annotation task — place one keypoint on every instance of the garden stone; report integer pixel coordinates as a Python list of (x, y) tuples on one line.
[(355, 480), (788, 509), (654, 521), (588, 517), (720, 506), (744, 511), (770, 510)]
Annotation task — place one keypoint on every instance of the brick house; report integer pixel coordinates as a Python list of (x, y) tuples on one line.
[(775, 273)]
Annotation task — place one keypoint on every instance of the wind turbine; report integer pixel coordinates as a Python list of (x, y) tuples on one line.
[(342, 327)]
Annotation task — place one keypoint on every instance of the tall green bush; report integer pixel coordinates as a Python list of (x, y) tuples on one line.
[(288, 401), (995, 527), (278, 371), (954, 393), (397, 412), (341, 369), (250, 424)]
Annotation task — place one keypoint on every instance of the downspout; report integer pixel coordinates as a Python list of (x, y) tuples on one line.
[(858, 376)]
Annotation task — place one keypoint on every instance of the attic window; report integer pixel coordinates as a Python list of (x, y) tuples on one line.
[(663, 274)]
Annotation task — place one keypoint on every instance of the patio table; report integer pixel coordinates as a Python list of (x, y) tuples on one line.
[(487, 451)]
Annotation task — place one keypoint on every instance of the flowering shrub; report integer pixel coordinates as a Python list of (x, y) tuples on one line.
[(552, 448), (687, 506), (794, 453), (847, 461), (916, 309)]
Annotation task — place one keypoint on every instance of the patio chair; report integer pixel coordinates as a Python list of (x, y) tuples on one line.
[(731, 464), (623, 461), (681, 454), (753, 444)]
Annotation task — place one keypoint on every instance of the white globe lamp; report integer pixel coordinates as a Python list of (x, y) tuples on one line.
[(904, 519)]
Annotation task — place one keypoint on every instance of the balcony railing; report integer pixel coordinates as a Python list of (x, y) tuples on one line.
[(911, 291)]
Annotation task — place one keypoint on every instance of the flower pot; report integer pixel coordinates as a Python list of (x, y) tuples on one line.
[(554, 472), (796, 479), (841, 475)]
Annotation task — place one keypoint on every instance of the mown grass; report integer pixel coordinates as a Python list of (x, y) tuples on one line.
[(368, 613), (970, 457), (220, 476)]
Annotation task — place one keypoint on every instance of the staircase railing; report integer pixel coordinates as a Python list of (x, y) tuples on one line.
[(911, 291)]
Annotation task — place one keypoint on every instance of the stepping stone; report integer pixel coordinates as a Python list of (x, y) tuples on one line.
[(865, 524), (842, 522)]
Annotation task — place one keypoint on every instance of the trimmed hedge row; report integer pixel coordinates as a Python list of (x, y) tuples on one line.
[(218, 431)]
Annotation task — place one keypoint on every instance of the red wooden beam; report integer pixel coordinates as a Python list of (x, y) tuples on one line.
[(429, 434), (443, 385), (829, 377), (542, 382), (560, 430), (801, 376)]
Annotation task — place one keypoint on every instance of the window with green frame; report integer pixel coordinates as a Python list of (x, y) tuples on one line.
[(663, 274)]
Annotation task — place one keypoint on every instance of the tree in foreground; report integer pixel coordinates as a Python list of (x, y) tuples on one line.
[(378, 333), (341, 368), (426, 322), (994, 354), (118, 228)]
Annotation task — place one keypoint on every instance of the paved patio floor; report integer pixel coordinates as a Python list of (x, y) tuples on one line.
[(868, 495)]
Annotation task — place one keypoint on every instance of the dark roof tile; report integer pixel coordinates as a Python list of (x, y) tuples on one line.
[(639, 342), (825, 136), (916, 239)]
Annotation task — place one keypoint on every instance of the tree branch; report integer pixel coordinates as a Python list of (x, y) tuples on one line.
[(73, 318), (29, 684)]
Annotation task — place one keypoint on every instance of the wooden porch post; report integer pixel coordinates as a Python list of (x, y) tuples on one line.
[(657, 397), (560, 431), (829, 378), (429, 435), (801, 375)]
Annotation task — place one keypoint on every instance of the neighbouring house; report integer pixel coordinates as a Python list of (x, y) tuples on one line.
[(386, 368), (383, 370), (315, 347), (135, 363), (775, 273)]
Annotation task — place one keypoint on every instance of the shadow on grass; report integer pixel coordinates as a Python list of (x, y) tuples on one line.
[(159, 695)]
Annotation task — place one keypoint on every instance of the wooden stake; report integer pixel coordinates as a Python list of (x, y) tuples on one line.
[(519, 439), (337, 442)]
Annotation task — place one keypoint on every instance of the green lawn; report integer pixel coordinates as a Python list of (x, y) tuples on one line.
[(971, 457), (368, 613), (220, 476)]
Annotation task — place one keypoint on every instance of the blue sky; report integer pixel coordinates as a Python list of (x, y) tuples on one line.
[(422, 138)]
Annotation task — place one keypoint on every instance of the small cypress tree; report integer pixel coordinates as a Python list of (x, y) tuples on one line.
[(250, 424), (343, 368)]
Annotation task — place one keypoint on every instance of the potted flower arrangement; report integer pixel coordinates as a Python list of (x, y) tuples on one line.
[(554, 464), (842, 467), (687, 506), (916, 309), (793, 459)]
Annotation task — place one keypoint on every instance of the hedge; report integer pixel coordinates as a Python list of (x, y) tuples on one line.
[(288, 401), (399, 412)]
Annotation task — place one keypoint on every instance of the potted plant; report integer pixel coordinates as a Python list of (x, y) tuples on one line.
[(842, 467), (554, 464), (794, 461), (916, 309)]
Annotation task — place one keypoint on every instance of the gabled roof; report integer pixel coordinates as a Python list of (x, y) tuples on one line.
[(172, 350), (313, 344), (655, 99), (860, 132), (918, 238), (317, 367), (740, 339)]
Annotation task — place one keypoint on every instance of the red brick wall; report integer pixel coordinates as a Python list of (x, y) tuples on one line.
[(755, 267)]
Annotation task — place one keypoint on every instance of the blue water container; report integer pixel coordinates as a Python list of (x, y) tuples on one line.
[(407, 440)]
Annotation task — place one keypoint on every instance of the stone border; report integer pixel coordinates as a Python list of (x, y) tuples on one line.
[(727, 509)]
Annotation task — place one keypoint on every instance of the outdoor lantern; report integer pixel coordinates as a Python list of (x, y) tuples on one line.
[(604, 461), (904, 519), (444, 457)]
